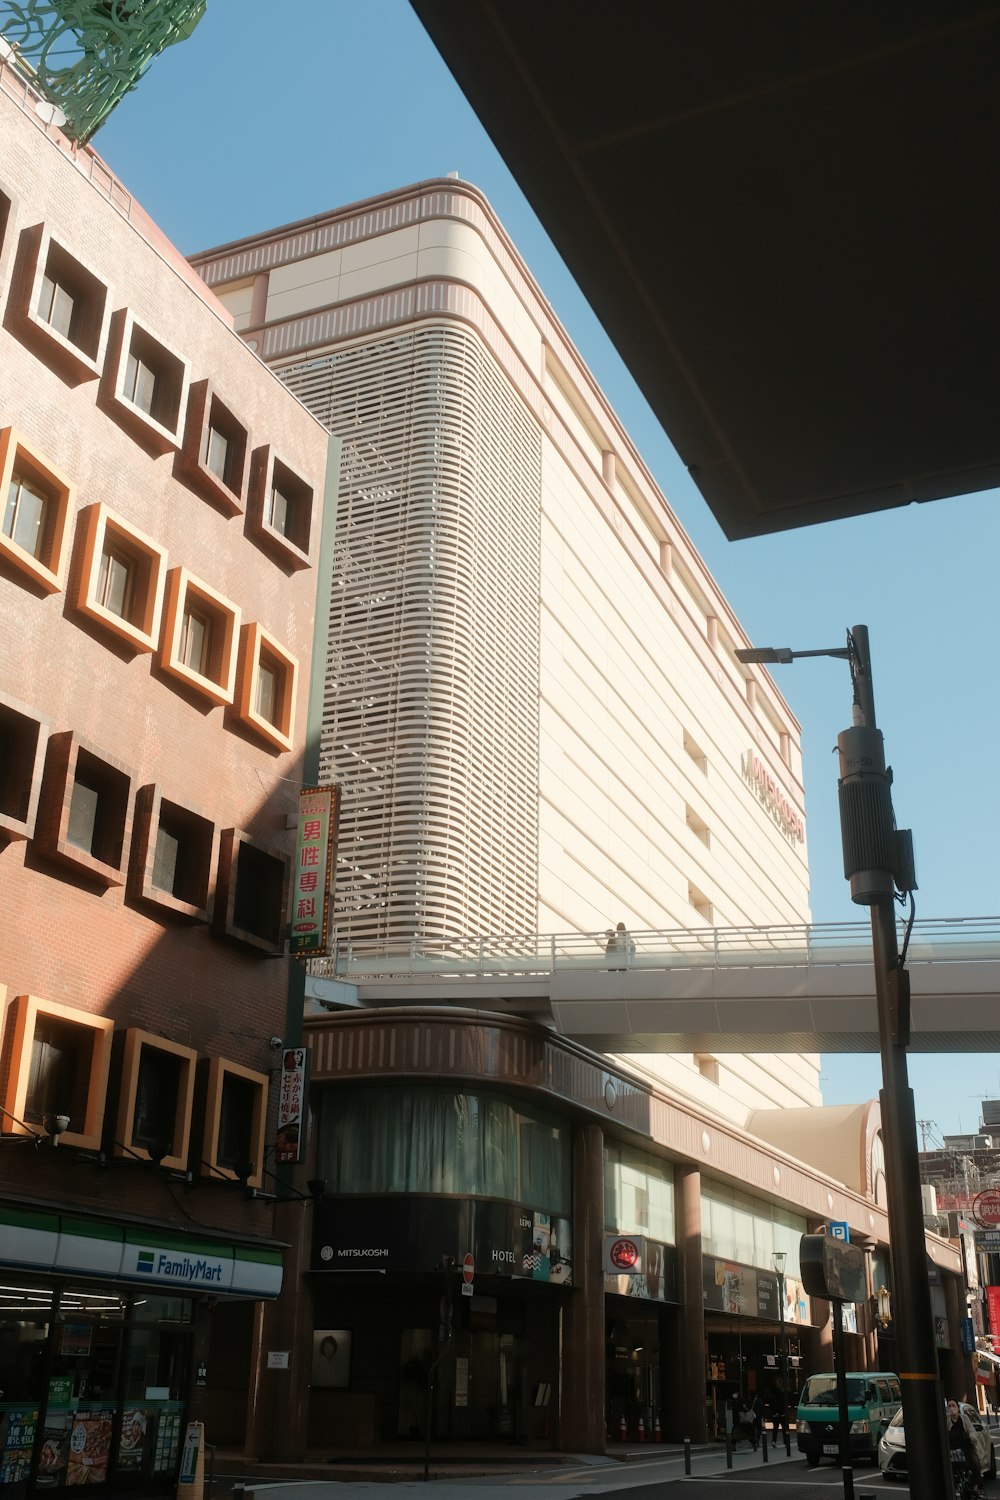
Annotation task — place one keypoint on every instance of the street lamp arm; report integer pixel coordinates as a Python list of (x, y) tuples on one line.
[(783, 655)]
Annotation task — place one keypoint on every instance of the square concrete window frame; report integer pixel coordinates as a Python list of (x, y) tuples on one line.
[(125, 1145), (79, 354), (97, 530), (158, 430), (250, 869), (207, 411), (219, 1069), (71, 759), (183, 589), (201, 838), (24, 736), (292, 547), (8, 217), (256, 646), (16, 454), (96, 1034)]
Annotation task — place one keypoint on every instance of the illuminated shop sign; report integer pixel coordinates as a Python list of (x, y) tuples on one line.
[(421, 1234), (757, 776), (623, 1254), (651, 1275)]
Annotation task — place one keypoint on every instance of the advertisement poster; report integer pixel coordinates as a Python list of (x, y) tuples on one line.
[(744, 1291), (76, 1338), (89, 1447), (293, 1090), (54, 1457), (168, 1442), (17, 1438), (136, 1424), (314, 851)]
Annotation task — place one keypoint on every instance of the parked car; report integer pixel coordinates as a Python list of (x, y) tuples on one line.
[(892, 1448), (873, 1397)]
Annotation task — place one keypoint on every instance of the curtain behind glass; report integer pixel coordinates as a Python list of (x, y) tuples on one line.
[(440, 1141)]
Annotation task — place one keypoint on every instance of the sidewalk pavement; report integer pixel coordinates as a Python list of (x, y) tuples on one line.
[(477, 1470)]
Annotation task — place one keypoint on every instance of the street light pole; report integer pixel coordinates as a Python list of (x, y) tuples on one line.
[(778, 1261), (877, 860)]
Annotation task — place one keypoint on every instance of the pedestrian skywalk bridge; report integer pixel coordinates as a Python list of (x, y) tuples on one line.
[(738, 989)]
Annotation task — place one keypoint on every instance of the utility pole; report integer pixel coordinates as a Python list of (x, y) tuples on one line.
[(878, 859)]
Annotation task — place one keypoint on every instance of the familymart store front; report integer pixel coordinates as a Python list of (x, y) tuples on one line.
[(97, 1342)]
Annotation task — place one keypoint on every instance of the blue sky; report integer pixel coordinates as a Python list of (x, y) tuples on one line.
[(273, 113)]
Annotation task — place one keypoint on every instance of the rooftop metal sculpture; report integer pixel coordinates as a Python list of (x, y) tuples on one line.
[(83, 56)]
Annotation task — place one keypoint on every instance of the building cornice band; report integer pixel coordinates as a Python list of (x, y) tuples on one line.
[(449, 1043)]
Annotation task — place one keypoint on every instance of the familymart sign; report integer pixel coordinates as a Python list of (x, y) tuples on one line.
[(757, 776)]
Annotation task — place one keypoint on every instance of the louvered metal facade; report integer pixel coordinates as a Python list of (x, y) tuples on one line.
[(430, 719)]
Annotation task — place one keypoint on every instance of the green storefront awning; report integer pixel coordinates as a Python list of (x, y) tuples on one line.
[(67, 1244)]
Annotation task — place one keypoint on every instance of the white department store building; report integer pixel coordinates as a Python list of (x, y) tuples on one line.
[(538, 724)]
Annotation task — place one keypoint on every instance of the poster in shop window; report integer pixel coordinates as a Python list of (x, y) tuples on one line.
[(54, 1456), (89, 1447), (168, 1441), (136, 1422), (17, 1438)]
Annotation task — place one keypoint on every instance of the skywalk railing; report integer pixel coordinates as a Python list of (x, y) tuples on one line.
[(540, 955)]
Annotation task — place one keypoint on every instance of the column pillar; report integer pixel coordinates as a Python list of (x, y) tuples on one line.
[(690, 1409), (867, 1328), (824, 1333), (279, 1403), (258, 299), (582, 1418), (961, 1367)]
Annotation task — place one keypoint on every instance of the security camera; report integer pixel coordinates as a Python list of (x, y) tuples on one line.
[(276, 1043), (56, 1124)]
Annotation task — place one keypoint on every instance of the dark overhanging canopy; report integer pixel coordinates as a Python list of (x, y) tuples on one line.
[(786, 213)]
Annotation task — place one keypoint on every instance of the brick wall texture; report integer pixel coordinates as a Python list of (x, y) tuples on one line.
[(62, 937)]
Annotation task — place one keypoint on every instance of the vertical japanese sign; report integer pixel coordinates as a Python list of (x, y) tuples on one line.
[(314, 851), (992, 1308), (292, 1095)]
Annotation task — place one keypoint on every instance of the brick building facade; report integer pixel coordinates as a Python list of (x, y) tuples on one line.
[(160, 507)]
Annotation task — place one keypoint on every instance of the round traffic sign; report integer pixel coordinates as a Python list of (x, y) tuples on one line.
[(986, 1208), (469, 1267)]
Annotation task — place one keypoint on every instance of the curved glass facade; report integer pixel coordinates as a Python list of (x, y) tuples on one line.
[(444, 1141)]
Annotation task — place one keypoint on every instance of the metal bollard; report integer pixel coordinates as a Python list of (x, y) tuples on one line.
[(788, 1442), (729, 1450), (687, 1457), (763, 1443)]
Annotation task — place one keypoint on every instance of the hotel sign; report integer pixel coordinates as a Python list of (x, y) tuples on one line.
[(311, 877), (757, 776)]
